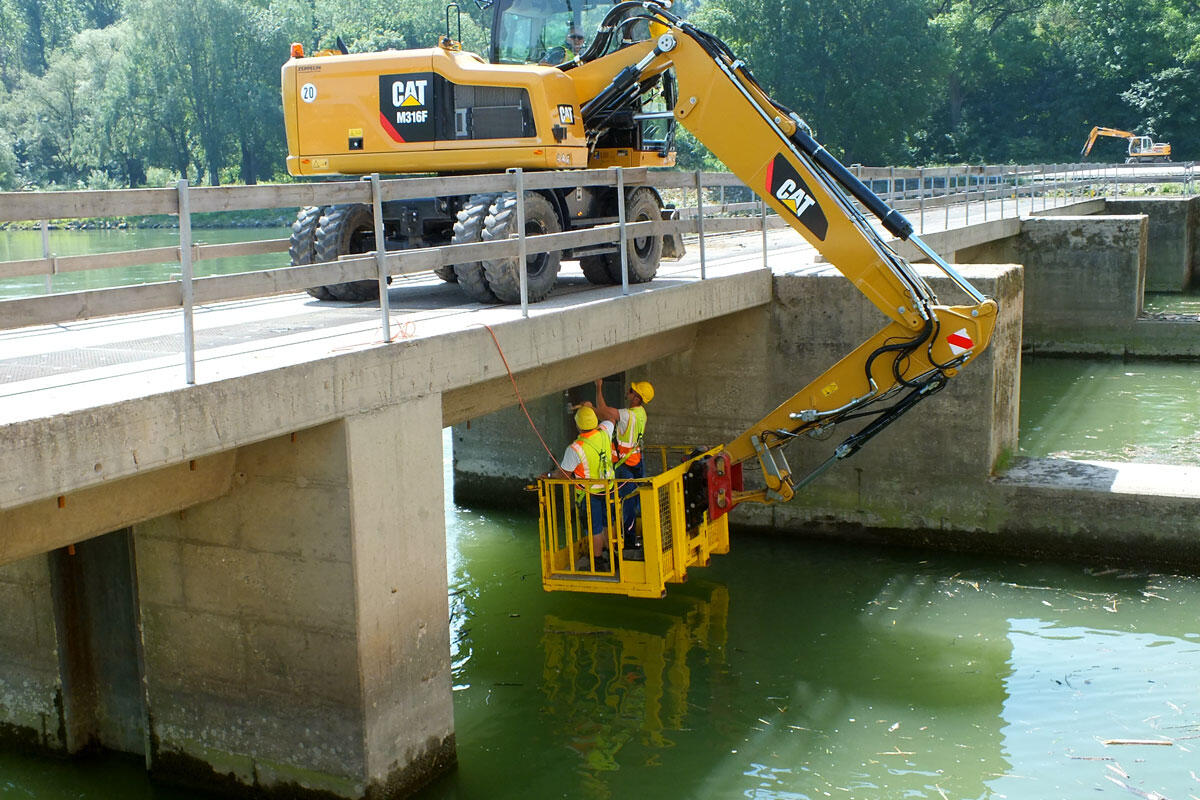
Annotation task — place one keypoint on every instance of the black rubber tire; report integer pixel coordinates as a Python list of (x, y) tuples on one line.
[(503, 274), (595, 269), (347, 229), (467, 229), (644, 253), (302, 244)]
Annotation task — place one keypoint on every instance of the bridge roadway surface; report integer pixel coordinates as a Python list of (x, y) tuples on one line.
[(56, 381), (69, 366)]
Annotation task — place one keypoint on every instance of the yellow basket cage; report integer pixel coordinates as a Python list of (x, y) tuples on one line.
[(669, 543)]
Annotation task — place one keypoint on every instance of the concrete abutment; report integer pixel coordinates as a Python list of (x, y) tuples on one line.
[(290, 634)]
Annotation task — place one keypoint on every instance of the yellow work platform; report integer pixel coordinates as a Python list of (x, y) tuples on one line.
[(675, 529)]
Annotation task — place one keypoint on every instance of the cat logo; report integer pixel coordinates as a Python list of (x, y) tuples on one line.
[(407, 105), (794, 197), (409, 93), (566, 114), (785, 185)]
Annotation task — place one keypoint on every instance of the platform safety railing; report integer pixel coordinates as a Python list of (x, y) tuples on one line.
[(672, 538)]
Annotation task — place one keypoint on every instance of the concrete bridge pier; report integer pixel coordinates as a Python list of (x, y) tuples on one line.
[(289, 635)]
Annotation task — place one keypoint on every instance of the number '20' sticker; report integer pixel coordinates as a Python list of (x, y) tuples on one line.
[(308, 92)]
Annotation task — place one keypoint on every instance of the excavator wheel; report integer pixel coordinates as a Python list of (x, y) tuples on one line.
[(503, 274), (595, 269), (347, 229), (643, 253), (467, 230), (302, 244)]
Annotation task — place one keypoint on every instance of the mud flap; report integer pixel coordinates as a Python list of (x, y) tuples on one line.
[(673, 248)]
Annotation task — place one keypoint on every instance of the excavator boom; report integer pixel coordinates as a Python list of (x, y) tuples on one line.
[(773, 152)]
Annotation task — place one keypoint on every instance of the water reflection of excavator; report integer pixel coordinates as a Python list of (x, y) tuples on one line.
[(1141, 150), (607, 688), (615, 103)]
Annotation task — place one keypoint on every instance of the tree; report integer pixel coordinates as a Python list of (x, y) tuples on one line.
[(860, 71), (1166, 103)]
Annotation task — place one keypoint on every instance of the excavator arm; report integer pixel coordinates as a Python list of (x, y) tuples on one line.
[(1099, 131), (772, 150)]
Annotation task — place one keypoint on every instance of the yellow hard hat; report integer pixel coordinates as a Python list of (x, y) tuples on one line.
[(585, 419), (644, 390)]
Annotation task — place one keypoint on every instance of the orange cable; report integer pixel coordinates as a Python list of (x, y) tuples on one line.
[(521, 401)]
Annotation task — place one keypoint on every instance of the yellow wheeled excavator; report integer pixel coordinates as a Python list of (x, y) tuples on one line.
[(1140, 150), (443, 109)]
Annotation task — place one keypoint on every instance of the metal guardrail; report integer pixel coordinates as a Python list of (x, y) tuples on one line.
[(918, 189)]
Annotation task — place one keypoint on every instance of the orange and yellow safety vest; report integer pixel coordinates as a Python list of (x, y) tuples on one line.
[(629, 443), (594, 449)]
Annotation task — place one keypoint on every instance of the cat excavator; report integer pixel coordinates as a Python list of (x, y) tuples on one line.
[(1141, 149), (538, 105)]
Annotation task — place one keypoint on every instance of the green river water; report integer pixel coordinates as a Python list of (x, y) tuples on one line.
[(792, 670), (19, 245)]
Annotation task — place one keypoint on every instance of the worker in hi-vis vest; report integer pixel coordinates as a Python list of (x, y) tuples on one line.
[(630, 426), (590, 457)]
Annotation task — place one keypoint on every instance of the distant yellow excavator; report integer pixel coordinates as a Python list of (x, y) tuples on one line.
[(1142, 149)]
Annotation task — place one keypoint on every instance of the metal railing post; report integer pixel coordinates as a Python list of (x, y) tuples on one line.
[(621, 226), (986, 191), (700, 221), (45, 226), (1003, 188), (1043, 187), (946, 196), (921, 200), (967, 203), (385, 305), (762, 206), (185, 278), (522, 266)]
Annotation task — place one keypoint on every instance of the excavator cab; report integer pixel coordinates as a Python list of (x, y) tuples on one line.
[(544, 31), (562, 33)]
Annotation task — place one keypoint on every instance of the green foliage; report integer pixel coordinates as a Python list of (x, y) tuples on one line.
[(137, 92)]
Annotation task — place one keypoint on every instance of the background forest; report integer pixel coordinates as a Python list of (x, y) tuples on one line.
[(112, 93)]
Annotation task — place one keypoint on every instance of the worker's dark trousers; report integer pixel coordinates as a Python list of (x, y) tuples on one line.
[(631, 507)]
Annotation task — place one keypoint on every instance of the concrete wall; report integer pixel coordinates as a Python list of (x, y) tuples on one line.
[(30, 685), (917, 474), (295, 630), (1171, 240), (1084, 281), (1084, 286), (497, 455)]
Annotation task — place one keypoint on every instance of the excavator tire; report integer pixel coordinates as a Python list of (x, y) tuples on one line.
[(467, 230), (347, 229), (503, 274), (644, 253), (595, 269), (302, 244)]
